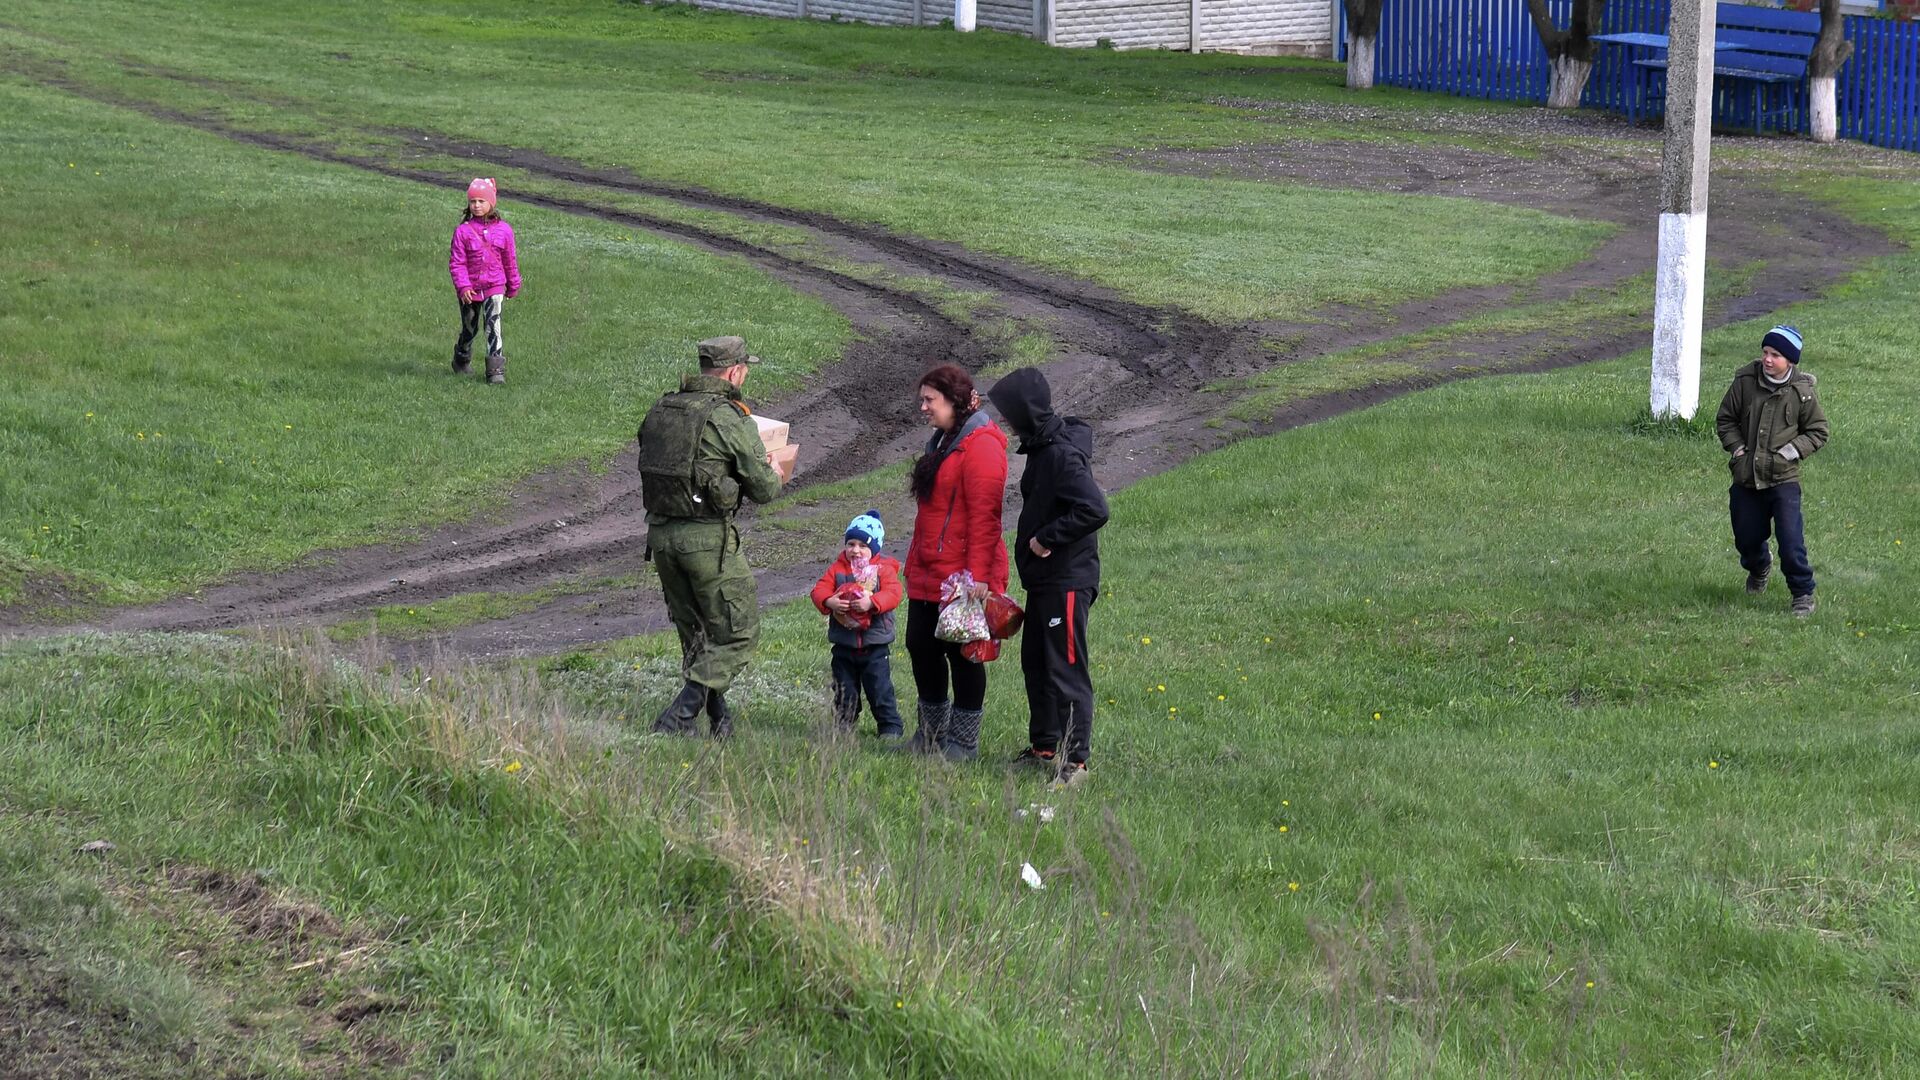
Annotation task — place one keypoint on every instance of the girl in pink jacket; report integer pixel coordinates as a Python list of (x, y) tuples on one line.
[(484, 271)]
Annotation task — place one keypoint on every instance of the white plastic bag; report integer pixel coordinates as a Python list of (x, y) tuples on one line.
[(962, 617)]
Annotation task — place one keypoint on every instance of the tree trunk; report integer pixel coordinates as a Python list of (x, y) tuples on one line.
[(1359, 62), (1569, 50), (1830, 51), (1824, 118), (1569, 82), (1363, 29)]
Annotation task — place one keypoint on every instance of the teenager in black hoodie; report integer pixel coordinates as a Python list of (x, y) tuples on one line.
[(1056, 550)]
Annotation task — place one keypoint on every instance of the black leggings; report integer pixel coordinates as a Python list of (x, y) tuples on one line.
[(933, 659)]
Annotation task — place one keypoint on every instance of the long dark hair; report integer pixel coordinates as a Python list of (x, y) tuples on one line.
[(490, 216), (953, 383)]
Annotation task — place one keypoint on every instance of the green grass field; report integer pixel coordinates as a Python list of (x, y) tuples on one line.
[(992, 141), (196, 316), (1436, 740), (1471, 756), (219, 358)]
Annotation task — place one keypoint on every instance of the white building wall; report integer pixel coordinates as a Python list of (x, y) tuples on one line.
[(1303, 25), (1129, 24), (1239, 24)]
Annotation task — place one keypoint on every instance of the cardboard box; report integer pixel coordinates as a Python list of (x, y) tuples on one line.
[(773, 433), (785, 458)]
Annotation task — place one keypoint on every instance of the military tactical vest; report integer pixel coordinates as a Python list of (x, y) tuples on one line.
[(674, 480)]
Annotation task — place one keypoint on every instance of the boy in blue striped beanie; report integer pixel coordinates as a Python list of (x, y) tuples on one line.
[(1770, 421)]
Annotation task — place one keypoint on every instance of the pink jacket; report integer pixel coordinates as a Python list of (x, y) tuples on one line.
[(482, 258)]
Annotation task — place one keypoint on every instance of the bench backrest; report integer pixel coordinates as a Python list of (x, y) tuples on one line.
[(1770, 39)]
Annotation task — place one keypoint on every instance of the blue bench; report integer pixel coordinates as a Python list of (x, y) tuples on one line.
[(1762, 57)]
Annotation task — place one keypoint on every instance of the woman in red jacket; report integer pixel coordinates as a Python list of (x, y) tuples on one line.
[(960, 485)]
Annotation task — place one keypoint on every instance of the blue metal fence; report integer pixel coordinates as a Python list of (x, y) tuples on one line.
[(1488, 49)]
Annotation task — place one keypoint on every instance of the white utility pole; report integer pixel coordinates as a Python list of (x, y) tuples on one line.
[(963, 16), (1680, 276)]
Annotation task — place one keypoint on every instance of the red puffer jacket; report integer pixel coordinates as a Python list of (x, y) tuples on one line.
[(958, 527)]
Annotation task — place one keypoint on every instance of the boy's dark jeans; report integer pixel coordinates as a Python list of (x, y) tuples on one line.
[(868, 671), (1775, 510), (1053, 657)]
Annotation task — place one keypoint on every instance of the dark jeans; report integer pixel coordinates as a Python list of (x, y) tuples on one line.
[(1053, 657), (1775, 510), (934, 661), (868, 671)]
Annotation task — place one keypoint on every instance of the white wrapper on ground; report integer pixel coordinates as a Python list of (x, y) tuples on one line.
[(1031, 876)]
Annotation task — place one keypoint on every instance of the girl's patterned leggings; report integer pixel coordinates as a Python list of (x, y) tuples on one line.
[(472, 317)]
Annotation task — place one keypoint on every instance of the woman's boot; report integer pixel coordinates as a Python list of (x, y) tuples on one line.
[(961, 739), (932, 721)]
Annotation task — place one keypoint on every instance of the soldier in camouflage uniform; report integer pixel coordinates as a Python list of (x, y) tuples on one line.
[(700, 453)]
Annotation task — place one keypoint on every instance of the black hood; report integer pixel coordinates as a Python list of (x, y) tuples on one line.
[(1026, 402)]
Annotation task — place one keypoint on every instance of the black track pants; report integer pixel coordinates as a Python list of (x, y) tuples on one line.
[(1053, 657)]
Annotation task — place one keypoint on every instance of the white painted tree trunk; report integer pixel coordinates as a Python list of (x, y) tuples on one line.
[(1825, 119), (1360, 63), (1569, 82), (963, 16)]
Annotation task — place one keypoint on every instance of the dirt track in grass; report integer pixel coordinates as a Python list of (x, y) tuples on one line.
[(1149, 379)]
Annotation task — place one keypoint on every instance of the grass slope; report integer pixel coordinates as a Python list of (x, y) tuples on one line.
[(989, 140), (551, 926), (1437, 739), (220, 358)]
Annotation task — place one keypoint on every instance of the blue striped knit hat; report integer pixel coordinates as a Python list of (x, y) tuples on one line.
[(1784, 340)]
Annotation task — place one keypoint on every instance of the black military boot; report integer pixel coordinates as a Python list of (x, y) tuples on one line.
[(497, 368), (682, 716), (719, 717)]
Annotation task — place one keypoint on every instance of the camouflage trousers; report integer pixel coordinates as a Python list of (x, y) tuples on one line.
[(711, 597)]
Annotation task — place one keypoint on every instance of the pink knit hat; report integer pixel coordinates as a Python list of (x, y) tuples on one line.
[(484, 188)]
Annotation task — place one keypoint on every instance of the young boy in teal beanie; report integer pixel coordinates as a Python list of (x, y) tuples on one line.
[(1770, 421)]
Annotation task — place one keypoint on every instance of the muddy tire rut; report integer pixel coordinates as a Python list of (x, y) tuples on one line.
[(1141, 374)]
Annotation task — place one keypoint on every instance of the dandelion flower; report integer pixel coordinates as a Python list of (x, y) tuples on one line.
[(1284, 802), (1269, 641), (1149, 641), (1713, 764), (1293, 886), (513, 766), (1376, 716), (1173, 710), (1162, 687), (899, 1004), (1222, 697), (1283, 828), (1589, 984)]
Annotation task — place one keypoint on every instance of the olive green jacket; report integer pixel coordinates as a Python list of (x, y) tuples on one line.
[(733, 440), (1758, 420)]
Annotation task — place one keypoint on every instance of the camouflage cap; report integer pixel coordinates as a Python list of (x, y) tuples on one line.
[(724, 352)]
